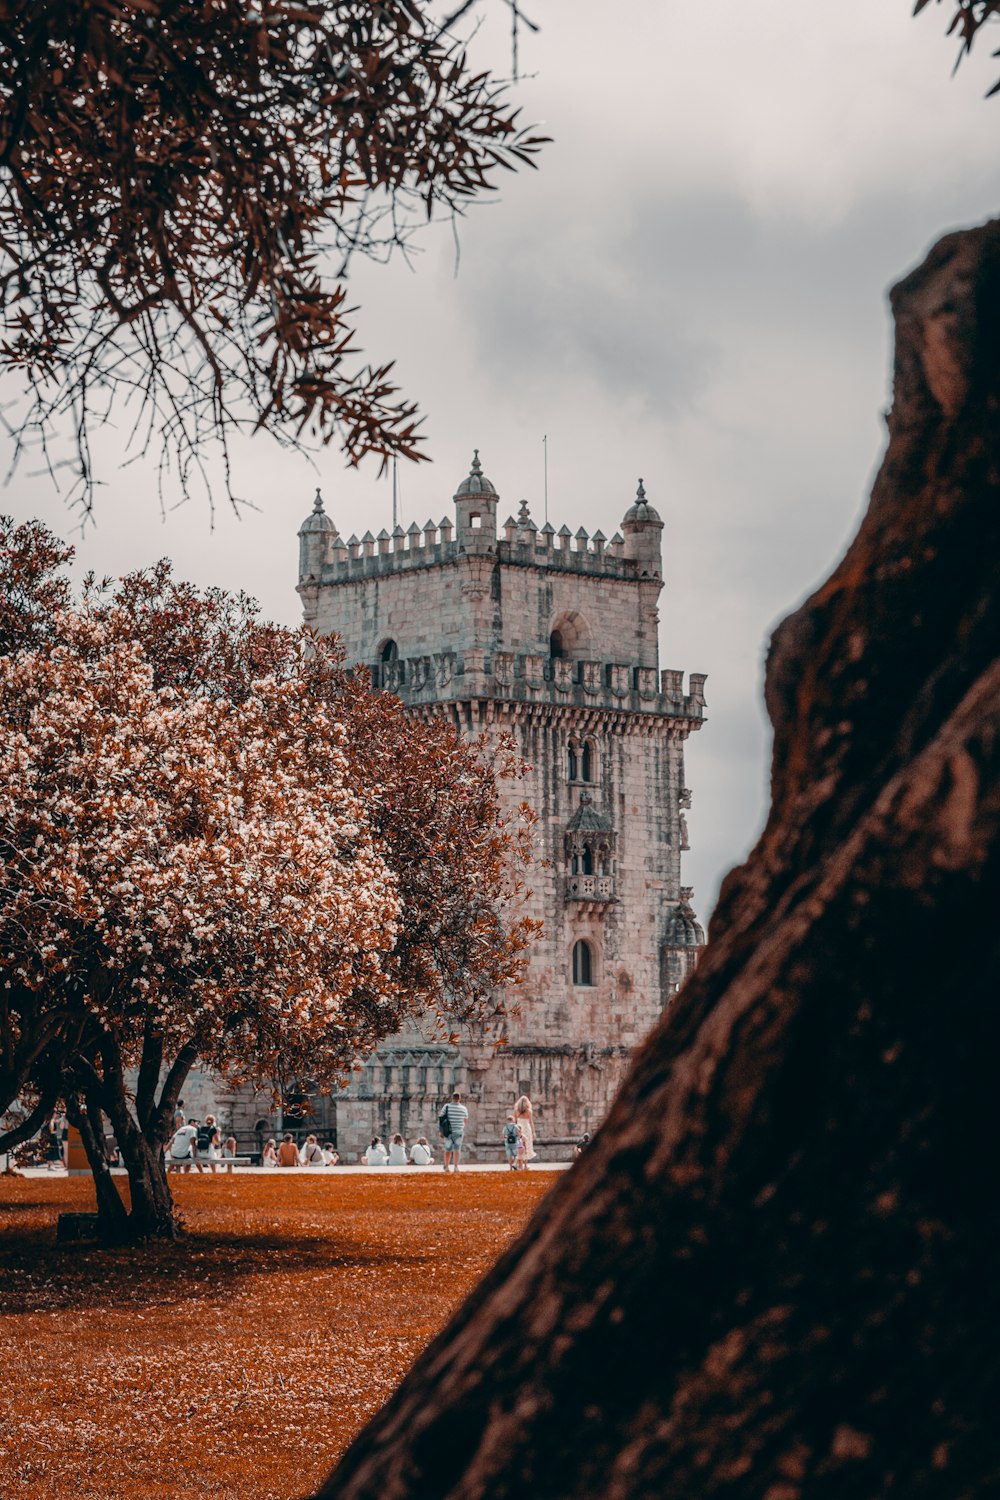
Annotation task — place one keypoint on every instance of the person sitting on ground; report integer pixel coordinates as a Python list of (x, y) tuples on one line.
[(511, 1135), (420, 1153), (397, 1151), (269, 1155), (182, 1153), (330, 1154), (582, 1144), (288, 1152), (376, 1155), (311, 1154)]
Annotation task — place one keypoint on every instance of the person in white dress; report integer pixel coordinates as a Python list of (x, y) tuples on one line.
[(376, 1155), (420, 1152), (397, 1151), (525, 1119)]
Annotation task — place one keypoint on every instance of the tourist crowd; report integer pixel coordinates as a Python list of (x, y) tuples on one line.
[(199, 1145)]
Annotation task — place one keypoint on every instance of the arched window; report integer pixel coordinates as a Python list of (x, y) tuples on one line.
[(557, 649), (585, 762), (588, 860), (583, 969), (571, 765), (390, 651)]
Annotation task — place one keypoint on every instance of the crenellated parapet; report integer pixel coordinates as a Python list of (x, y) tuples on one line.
[(434, 544), (524, 677)]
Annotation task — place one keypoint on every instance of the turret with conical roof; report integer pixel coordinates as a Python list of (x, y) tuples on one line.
[(476, 511), (642, 527), (316, 537)]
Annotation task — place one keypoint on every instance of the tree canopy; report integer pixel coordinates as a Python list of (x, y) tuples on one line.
[(217, 846), (181, 189)]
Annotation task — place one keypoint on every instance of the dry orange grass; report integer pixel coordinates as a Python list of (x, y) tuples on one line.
[(240, 1362)]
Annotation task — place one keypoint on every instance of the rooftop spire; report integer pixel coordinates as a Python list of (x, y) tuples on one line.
[(640, 493), (318, 503)]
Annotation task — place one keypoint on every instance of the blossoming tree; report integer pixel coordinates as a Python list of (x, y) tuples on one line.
[(200, 860)]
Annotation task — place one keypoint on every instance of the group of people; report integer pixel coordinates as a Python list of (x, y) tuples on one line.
[(197, 1144), (397, 1155), (519, 1136), (287, 1154)]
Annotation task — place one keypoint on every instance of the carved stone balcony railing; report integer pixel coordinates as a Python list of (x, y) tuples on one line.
[(590, 888), (531, 677)]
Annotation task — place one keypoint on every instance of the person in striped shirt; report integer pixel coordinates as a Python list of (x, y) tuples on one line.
[(458, 1117)]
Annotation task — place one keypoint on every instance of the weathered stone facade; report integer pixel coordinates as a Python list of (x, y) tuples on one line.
[(552, 637)]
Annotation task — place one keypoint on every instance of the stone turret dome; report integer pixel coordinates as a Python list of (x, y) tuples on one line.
[(587, 819), (684, 930), (641, 510), (317, 520), (476, 483)]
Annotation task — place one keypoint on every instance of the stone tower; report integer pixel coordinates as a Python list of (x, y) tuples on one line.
[(553, 637)]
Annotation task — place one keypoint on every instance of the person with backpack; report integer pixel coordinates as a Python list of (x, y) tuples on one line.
[(510, 1138), (210, 1140), (452, 1122)]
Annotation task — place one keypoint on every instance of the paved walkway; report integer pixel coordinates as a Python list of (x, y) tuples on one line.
[(538, 1166)]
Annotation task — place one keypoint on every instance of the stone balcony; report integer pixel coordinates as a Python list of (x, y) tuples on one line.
[(533, 678), (591, 888)]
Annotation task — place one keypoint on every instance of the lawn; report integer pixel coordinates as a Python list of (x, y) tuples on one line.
[(241, 1361)]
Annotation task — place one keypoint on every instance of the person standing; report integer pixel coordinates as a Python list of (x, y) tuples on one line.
[(458, 1118), (525, 1118), (510, 1139)]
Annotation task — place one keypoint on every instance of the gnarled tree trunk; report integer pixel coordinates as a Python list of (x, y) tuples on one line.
[(774, 1274), (112, 1215)]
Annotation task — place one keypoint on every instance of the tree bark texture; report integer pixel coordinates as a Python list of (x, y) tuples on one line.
[(112, 1215), (774, 1273)]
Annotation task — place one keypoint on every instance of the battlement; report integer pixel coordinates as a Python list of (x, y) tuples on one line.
[(633, 552), (434, 545), (447, 676)]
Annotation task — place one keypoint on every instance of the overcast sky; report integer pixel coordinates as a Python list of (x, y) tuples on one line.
[(691, 288)]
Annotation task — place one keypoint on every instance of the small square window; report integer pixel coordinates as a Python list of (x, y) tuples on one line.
[(476, 522)]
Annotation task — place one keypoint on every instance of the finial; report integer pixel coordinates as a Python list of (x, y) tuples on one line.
[(318, 503), (477, 467), (640, 493), (687, 892), (524, 513)]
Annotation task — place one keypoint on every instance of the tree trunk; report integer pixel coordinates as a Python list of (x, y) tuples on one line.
[(152, 1213), (773, 1274), (112, 1216)]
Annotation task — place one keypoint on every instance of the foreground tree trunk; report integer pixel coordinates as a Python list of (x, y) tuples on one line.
[(112, 1215), (774, 1275)]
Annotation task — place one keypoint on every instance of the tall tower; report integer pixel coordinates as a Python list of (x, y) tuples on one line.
[(551, 636)]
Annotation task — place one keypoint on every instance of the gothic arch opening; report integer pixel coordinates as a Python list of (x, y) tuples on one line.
[(569, 637)]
